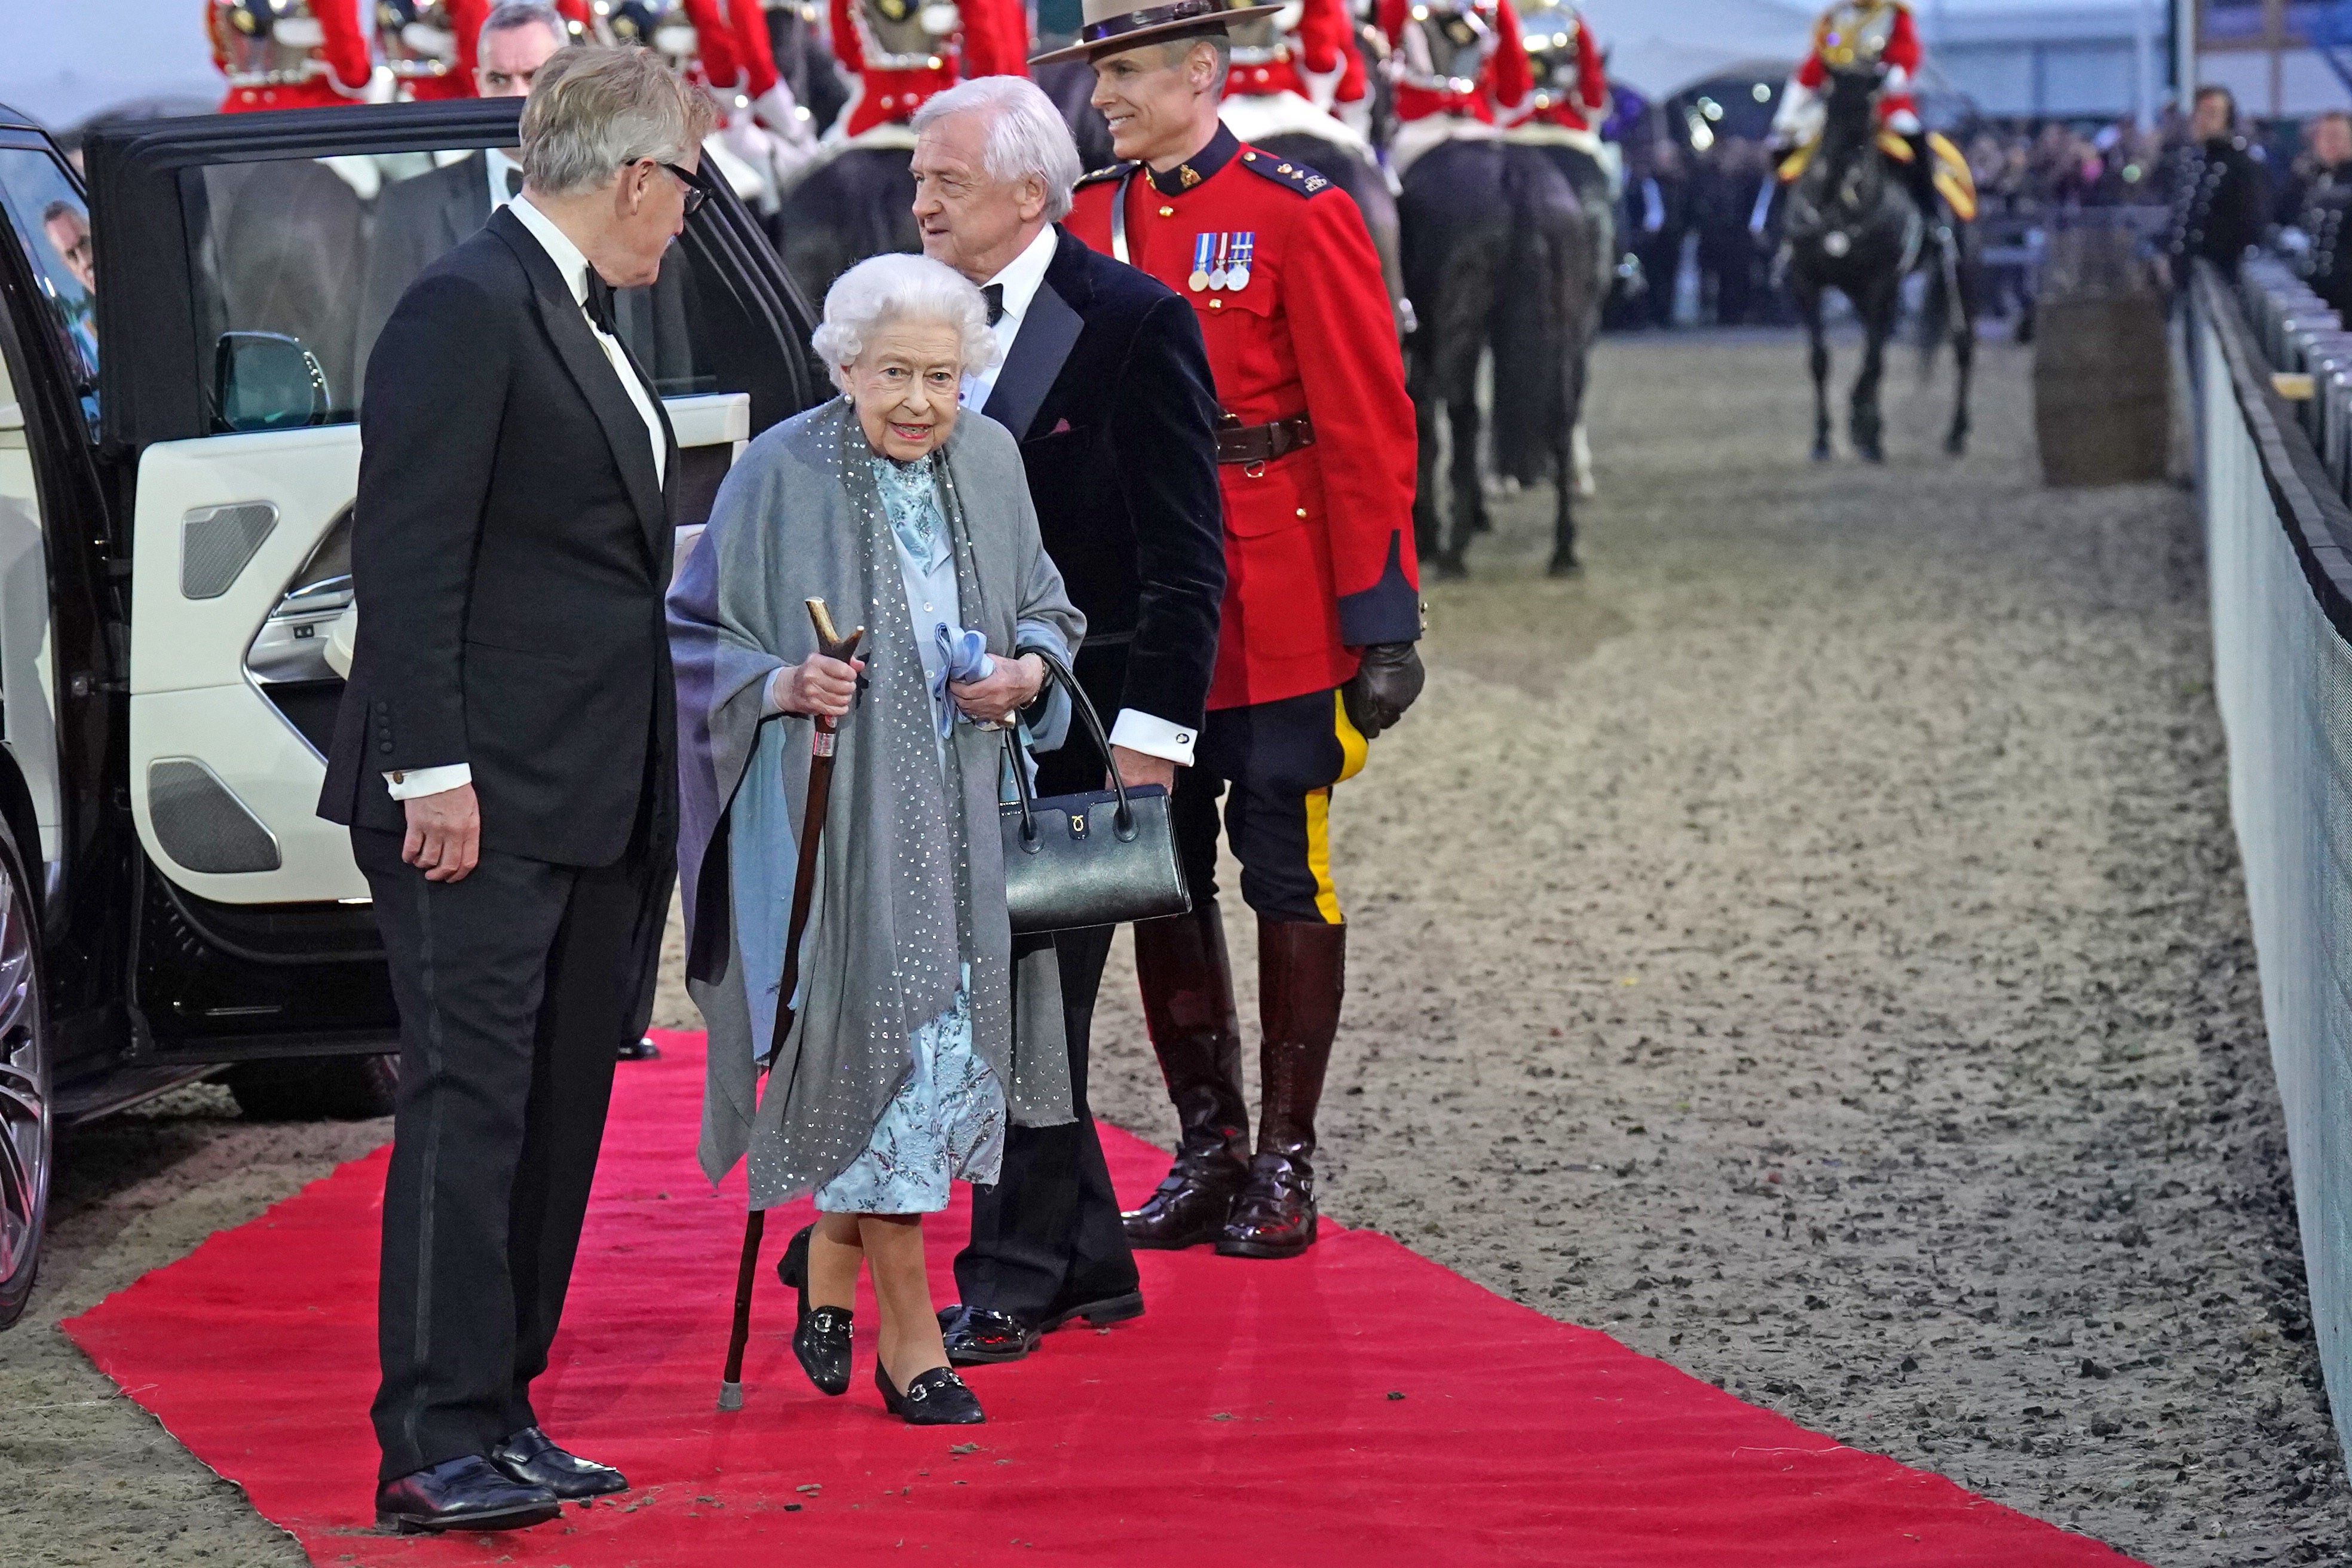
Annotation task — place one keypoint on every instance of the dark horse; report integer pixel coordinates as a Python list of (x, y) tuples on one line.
[(1849, 224), (858, 201), (1499, 253)]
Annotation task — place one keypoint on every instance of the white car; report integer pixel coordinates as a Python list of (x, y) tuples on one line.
[(182, 347)]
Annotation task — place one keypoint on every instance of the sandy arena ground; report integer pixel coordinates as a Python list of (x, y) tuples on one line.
[(1810, 948)]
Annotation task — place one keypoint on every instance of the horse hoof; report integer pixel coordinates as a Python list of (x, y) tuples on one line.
[(1821, 451), (1565, 566), (1956, 445), (1449, 569)]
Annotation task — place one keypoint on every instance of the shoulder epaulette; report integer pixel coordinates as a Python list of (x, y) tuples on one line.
[(1098, 177), (1285, 171)]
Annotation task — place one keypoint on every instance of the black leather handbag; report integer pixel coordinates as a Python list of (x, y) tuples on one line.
[(1099, 859)]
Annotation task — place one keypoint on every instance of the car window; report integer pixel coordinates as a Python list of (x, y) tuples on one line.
[(311, 255), (52, 222)]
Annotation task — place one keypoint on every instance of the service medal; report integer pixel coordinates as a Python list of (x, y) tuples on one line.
[(1217, 273), (1200, 278), (1237, 270)]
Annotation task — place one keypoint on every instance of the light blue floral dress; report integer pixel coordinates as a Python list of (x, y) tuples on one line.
[(947, 1122)]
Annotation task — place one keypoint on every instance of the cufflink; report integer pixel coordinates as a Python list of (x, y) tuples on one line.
[(397, 776)]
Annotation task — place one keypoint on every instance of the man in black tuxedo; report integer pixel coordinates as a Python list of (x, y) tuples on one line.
[(419, 219), (505, 759), (1105, 382)]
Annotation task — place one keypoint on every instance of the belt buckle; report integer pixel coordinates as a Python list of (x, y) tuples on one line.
[(1255, 470)]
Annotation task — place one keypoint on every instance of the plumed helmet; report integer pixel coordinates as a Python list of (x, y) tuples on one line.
[(418, 38)]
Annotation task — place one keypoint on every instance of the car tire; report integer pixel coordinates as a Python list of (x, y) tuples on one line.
[(316, 1088), (28, 1129)]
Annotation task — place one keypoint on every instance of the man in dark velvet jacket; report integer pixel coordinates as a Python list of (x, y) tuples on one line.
[(1105, 382)]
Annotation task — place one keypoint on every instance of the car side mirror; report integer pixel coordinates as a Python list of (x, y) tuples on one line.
[(267, 381)]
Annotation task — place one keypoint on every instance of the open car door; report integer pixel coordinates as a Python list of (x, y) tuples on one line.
[(245, 264)]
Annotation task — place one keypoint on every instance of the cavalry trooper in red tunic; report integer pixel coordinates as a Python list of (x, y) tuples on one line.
[(1878, 36), (903, 52), (288, 53), (1322, 604), (1455, 68)]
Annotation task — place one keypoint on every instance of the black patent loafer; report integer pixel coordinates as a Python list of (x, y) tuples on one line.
[(1275, 1216), (531, 1457), (1100, 1313), (820, 1334), (975, 1336), (935, 1398), (465, 1493)]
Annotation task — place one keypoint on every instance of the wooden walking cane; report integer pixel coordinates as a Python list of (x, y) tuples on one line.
[(820, 791)]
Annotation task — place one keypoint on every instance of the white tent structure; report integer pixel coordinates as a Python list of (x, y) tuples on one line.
[(1660, 47)]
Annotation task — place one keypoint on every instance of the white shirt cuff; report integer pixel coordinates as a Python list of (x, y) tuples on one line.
[(415, 781), (1153, 736), (775, 704)]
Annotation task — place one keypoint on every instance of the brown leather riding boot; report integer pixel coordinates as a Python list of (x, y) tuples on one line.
[(1302, 969), (1188, 1004)]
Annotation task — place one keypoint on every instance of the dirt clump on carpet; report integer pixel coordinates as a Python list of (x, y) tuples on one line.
[(1810, 947)]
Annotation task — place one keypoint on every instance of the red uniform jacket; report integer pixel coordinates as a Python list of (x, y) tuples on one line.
[(1503, 80), (994, 41), (1324, 41), (466, 17), (1319, 542), (1580, 112), (1900, 56), (345, 50)]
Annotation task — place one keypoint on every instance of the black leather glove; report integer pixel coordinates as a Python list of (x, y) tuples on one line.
[(1383, 687)]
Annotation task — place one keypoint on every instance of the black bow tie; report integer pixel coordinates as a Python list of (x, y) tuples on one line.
[(995, 294), (599, 303)]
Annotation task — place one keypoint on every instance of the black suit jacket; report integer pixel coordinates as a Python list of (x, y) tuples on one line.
[(418, 222), (1107, 387), (510, 551)]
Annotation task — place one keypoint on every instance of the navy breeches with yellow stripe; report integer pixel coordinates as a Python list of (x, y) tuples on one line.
[(1274, 763)]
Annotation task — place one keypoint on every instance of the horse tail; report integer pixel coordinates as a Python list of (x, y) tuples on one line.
[(1530, 329)]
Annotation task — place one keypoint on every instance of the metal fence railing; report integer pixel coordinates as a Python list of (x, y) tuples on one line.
[(2271, 470)]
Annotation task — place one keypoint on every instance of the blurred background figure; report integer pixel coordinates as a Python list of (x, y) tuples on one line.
[(288, 53)]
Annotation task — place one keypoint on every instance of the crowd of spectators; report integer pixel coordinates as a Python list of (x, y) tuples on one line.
[(1700, 247)]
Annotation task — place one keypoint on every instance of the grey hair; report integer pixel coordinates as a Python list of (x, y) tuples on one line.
[(595, 110), (1027, 137), (883, 289), (513, 16)]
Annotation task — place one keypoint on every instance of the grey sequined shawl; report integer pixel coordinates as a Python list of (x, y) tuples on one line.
[(911, 877)]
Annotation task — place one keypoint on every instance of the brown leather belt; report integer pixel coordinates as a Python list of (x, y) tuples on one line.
[(1240, 443)]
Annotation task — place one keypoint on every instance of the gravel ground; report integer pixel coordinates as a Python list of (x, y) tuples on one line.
[(1810, 947)]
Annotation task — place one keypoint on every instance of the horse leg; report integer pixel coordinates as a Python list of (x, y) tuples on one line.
[(1581, 459), (1469, 507), (1867, 425), (1964, 358), (1564, 563), (1426, 523), (1809, 305)]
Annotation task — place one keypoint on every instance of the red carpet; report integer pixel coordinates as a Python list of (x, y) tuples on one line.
[(1254, 1415)]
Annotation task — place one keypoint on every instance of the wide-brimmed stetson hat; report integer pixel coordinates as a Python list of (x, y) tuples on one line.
[(1112, 26)]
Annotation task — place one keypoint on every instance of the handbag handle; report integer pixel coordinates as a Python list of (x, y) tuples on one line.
[(1123, 823)]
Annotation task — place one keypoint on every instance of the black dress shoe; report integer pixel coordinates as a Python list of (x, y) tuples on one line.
[(531, 1457), (821, 1335), (465, 1493), (641, 1050), (1190, 1204), (935, 1398), (1100, 1313), (975, 1336)]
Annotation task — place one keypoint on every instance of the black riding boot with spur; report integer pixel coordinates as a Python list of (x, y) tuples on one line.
[(1302, 969), (1188, 1004)]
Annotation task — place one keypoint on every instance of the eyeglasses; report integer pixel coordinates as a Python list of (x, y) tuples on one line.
[(696, 192)]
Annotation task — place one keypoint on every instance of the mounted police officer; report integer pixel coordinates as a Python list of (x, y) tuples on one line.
[(1322, 602), (2216, 190)]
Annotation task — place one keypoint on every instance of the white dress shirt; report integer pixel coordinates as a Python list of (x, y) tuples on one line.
[(573, 265), (1021, 277), (497, 163)]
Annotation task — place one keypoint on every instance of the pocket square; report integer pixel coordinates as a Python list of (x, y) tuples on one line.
[(1059, 426)]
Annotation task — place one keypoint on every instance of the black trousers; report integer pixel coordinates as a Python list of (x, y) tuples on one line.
[(1047, 1233), (1275, 764), (517, 987)]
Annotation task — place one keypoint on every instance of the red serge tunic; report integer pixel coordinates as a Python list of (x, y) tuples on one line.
[(343, 52), (1324, 42), (1591, 88), (1318, 542), (1503, 80), (994, 41), (1851, 30)]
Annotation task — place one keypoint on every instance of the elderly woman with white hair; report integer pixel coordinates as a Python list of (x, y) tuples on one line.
[(917, 1031)]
